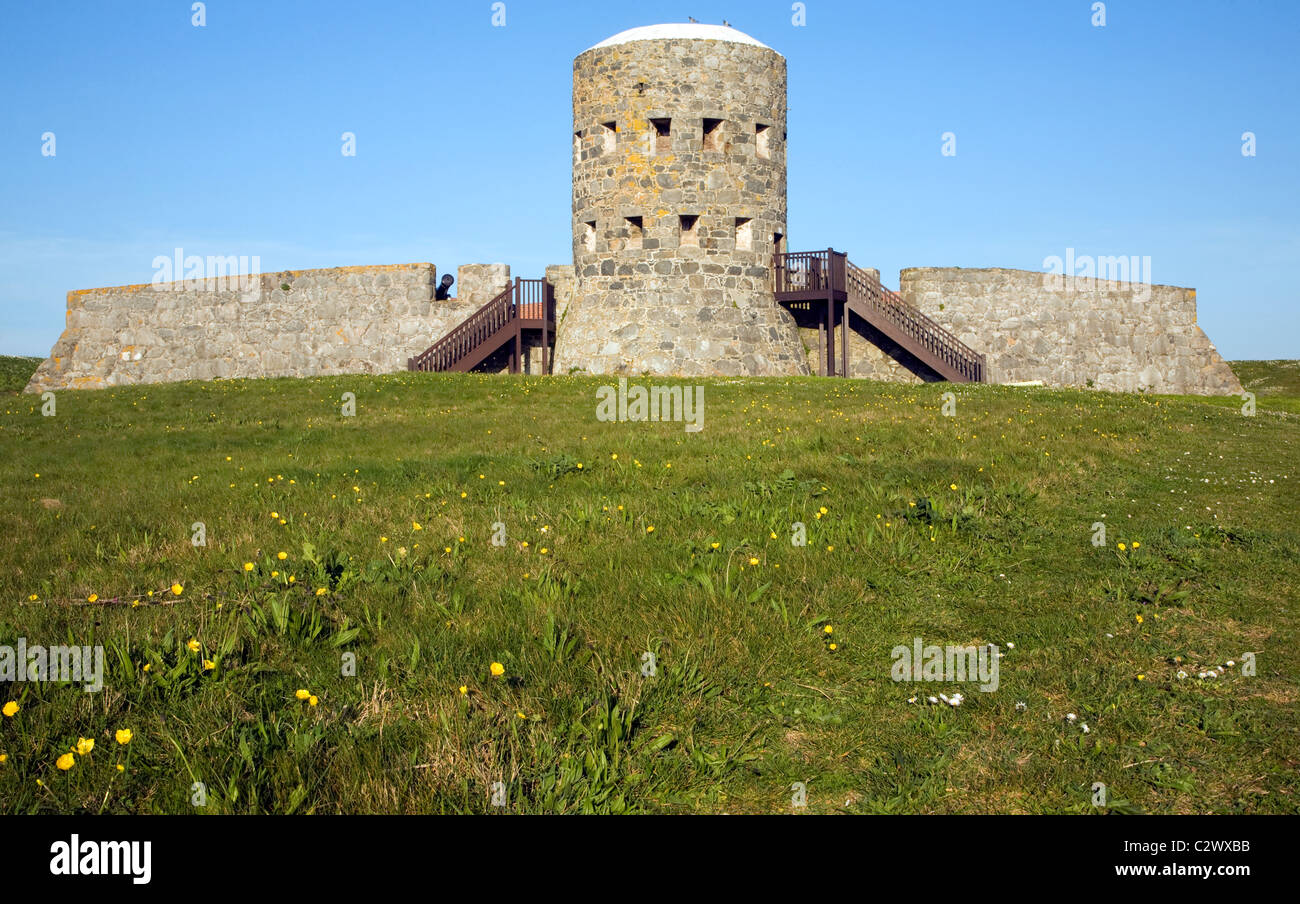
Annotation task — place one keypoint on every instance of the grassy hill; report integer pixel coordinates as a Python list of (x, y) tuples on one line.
[(353, 558)]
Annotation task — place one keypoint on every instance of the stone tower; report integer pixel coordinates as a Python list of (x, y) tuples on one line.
[(679, 199)]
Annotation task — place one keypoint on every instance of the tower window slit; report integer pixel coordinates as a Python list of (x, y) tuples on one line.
[(663, 139), (688, 228), (712, 134)]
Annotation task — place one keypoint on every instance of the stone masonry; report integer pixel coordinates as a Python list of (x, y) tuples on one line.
[(679, 197), (291, 324), (679, 204), (1074, 331)]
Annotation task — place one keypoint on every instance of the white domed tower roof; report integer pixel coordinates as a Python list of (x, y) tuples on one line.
[(681, 31)]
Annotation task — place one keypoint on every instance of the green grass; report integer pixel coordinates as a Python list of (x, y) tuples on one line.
[(747, 698), (15, 372), (1269, 378)]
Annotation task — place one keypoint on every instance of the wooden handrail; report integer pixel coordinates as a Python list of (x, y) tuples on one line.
[(830, 272), (524, 299)]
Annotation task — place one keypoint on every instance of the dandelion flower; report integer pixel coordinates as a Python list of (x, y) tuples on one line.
[(313, 700), (497, 669), (282, 556), (1136, 544), (177, 589), (1121, 547)]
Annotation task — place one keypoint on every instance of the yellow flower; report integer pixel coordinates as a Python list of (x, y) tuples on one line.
[(464, 690), (92, 597), (1121, 547), (463, 495), (65, 762), (1136, 544), (834, 646), (1142, 677), (208, 665), (33, 597), (4, 757), (193, 645), (11, 708), (85, 745), (753, 560), (177, 589), (543, 550), (715, 545), (282, 556), (275, 574), (415, 525), (828, 629), (520, 715), (121, 768), (1139, 619), (248, 566), (302, 694), (312, 700), (822, 510), (275, 514), (124, 735), (832, 548), (650, 529), (497, 669), (952, 486), (321, 591)]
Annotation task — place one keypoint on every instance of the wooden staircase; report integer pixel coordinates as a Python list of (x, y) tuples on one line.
[(526, 304), (827, 285)]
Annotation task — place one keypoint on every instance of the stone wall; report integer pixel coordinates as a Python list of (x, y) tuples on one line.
[(477, 284), (1074, 331), (679, 192), (289, 324)]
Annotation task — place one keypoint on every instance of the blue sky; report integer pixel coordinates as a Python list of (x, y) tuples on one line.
[(225, 139)]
